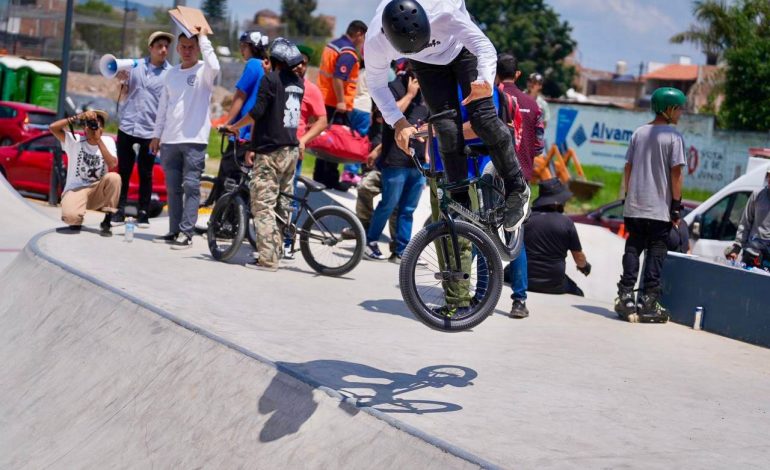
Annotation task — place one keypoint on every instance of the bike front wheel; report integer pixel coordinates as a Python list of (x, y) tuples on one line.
[(227, 227), (442, 294), (323, 245)]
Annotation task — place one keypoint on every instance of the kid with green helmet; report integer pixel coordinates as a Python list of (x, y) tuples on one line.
[(653, 181)]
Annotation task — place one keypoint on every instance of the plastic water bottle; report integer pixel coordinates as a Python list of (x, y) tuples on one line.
[(698, 321), (130, 227)]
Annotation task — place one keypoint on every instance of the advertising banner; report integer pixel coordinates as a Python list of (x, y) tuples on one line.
[(600, 136)]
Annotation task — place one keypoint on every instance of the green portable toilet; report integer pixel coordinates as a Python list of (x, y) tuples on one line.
[(9, 68), (44, 83)]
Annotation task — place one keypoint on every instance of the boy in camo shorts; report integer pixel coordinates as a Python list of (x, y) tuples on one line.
[(274, 149)]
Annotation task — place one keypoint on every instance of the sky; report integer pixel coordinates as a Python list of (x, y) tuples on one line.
[(606, 30)]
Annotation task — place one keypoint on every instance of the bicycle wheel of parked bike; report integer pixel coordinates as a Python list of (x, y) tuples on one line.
[(227, 227), (251, 233), (323, 246), (442, 294)]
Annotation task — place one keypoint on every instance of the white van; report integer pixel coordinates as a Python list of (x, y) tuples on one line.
[(714, 223)]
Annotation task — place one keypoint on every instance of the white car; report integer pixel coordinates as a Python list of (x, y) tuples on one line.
[(714, 223)]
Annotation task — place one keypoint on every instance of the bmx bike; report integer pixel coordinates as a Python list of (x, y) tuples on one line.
[(320, 234), (451, 273)]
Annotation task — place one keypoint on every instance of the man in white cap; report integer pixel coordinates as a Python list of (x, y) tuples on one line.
[(142, 87)]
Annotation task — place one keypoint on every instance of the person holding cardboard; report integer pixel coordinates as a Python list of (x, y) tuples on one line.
[(182, 132)]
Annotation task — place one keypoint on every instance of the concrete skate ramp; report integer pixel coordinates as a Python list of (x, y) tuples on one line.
[(21, 221), (93, 379)]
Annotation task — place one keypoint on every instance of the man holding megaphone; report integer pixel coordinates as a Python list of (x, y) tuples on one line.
[(142, 84)]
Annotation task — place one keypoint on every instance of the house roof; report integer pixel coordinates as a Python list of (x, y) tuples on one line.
[(674, 72)]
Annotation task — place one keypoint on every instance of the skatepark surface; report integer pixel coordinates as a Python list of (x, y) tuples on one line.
[(132, 355)]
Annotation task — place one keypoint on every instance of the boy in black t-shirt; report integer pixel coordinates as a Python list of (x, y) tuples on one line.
[(274, 149)]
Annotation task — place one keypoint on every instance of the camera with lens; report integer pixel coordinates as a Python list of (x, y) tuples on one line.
[(92, 124)]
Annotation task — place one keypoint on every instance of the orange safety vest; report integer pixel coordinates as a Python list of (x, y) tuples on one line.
[(331, 54)]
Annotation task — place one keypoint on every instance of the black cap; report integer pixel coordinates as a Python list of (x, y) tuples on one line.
[(551, 192)]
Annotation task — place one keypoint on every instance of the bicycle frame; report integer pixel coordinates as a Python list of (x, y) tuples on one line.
[(442, 204)]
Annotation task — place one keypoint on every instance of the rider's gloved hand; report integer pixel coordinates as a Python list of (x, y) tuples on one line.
[(586, 270), (676, 209)]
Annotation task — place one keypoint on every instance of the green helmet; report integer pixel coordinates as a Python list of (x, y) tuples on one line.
[(667, 97)]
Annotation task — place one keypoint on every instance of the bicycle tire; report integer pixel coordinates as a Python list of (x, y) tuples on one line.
[(251, 233), (228, 222), (482, 307), (314, 224)]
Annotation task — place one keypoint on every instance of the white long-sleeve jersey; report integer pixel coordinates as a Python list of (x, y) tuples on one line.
[(451, 30)]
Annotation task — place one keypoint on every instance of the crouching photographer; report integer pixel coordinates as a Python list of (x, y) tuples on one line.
[(89, 185)]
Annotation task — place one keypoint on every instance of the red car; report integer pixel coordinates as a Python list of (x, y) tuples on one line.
[(611, 215), (27, 167), (21, 121)]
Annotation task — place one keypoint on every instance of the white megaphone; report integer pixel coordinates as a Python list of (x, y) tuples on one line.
[(109, 65)]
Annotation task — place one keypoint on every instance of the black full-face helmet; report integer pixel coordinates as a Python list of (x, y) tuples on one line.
[(406, 26)]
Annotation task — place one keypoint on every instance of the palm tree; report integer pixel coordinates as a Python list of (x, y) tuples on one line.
[(714, 31)]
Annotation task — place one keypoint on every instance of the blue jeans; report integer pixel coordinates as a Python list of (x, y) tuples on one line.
[(401, 189), (518, 272), (183, 164)]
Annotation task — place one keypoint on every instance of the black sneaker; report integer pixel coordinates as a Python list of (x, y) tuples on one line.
[(516, 209), (119, 218), (167, 238), (182, 242), (74, 228), (143, 220), (106, 226), (372, 252), (254, 264), (519, 309)]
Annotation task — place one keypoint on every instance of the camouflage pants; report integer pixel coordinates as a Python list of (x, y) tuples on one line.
[(370, 187), (273, 174)]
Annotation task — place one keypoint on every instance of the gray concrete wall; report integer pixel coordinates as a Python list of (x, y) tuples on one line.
[(735, 302)]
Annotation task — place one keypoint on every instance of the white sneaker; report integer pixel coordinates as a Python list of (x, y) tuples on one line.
[(372, 252)]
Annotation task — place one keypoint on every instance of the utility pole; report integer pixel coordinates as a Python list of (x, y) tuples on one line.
[(65, 56), (57, 170), (123, 36), (173, 56)]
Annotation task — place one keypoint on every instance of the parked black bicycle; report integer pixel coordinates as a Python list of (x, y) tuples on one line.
[(451, 274), (319, 231)]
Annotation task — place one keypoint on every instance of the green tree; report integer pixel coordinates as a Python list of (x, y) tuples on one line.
[(747, 87), (215, 11), (534, 33), (714, 32), (298, 16), (99, 38)]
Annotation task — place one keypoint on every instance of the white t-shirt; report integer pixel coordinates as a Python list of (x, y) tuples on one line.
[(85, 163), (183, 112), (451, 30)]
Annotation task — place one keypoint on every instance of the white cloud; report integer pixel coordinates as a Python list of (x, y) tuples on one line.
[(636, 15)]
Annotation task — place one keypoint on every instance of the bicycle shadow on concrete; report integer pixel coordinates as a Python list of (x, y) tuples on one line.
[(601, 311), (290, 406), (398, 307)]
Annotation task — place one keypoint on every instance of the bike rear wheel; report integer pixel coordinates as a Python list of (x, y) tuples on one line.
[(227, 227), (445, 296), (323, 246)]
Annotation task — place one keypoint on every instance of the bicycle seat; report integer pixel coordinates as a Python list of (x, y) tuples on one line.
[(311, 185), (476, 150)]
